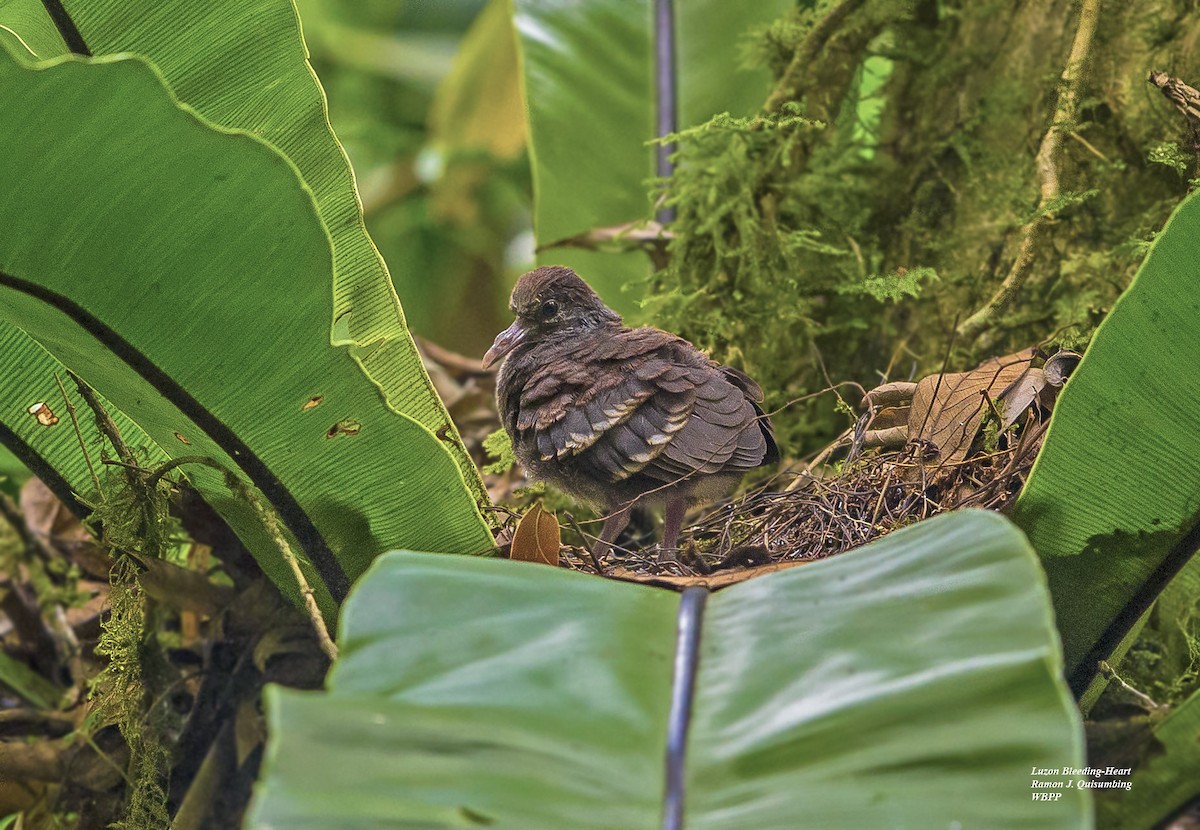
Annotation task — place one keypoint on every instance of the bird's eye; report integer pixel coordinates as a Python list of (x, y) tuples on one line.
[(549, 309)]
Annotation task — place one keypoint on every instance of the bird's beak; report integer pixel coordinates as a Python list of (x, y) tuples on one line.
[(506, 341)]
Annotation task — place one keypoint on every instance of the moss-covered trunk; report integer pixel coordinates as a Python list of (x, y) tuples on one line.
[(904, 215)]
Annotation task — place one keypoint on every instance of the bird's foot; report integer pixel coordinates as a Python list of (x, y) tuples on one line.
[(666, 555)]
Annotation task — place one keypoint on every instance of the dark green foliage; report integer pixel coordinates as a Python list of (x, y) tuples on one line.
[(1164, 660), (845, 237)]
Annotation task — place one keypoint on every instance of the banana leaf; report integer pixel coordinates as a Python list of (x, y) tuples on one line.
[(1113, 502)]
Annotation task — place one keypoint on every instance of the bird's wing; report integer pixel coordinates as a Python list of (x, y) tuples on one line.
[(645, 403), (722, 434)]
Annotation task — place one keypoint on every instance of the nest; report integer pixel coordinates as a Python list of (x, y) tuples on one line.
[(817, 516)]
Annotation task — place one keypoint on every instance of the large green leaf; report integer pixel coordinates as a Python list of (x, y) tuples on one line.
[(910, 684), (30, 29), (1113, 499), (1167, 782), (588, 72), (185, 272), (277, 97), (243, 64), (51, 449)]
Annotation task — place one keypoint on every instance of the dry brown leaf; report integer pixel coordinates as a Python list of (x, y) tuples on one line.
[(1058, 368), (904, 410), (537, 538), (49, 518), (896, 393), (889, 439), (1021, 394), (947, 410), (888, 428), (1041, 385)]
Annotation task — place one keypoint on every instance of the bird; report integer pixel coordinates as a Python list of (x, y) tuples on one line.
[(616, 416)]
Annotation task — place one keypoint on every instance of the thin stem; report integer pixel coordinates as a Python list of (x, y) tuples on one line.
[(87, 457), (274, 528)]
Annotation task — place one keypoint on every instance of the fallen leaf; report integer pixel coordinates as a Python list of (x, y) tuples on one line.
[(537, 538), (1021, 394), (1058, 368), (888, 428), (947, 410), (896, 393), (1041, 385), (900, 411), (48, 518)]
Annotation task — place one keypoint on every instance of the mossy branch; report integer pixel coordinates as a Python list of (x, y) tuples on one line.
[(274, 527), (1046, 161), (800, 67), (107, 426)]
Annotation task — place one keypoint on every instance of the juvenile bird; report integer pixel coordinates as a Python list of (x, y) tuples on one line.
[(613, 415)]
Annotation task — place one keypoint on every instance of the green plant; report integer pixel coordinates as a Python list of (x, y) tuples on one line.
[(490, 693), (146, 272)]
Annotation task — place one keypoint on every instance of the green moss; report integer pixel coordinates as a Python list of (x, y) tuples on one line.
[(1169, 154), (844, 238), (134, 522), (120, 696), (499, 448)]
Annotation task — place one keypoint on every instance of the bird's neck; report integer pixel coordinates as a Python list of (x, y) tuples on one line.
[(524, 359)]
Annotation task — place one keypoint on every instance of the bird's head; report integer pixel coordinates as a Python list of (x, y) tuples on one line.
[(548, 301)]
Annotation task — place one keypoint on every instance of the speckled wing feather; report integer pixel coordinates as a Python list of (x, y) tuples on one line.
[(641, 401)]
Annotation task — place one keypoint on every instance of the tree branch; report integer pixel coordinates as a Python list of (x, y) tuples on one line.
[(1047, 167), (788, 87)]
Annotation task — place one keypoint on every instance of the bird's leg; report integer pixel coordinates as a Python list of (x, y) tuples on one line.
[(674, 521), (618, 520)]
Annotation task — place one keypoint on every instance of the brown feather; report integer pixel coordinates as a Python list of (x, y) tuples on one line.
[(610, 413)]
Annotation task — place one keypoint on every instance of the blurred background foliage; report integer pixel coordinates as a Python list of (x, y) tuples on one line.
[(425, 98)]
